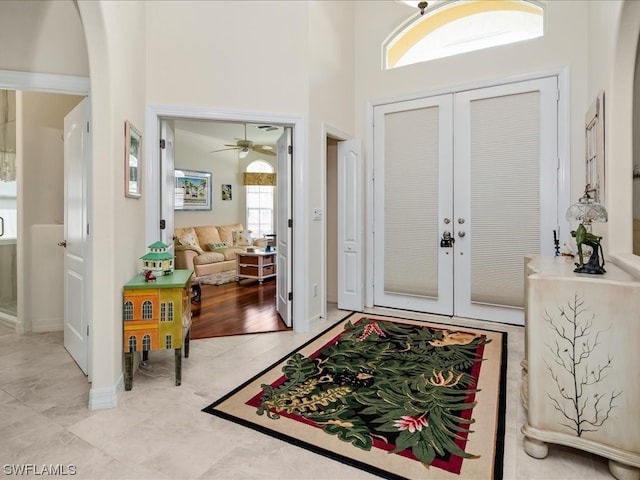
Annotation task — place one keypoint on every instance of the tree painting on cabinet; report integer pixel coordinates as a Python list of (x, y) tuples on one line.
[(577, 371)]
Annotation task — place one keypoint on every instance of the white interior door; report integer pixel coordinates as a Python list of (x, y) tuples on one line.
[(283, 230), (76, 161), (350, 226), (167, 182), (481, 166), (413, 173)]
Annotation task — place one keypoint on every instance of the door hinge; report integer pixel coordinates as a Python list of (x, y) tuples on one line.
[(290, 149), (87, 127), (163, 224), (87, 330), (290, 223), (87, 229), (290, 296), (163, 143)]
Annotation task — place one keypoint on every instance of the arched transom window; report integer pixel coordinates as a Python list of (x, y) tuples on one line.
[(459, 26)]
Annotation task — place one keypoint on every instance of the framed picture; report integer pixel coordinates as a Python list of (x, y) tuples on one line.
[(132, 161), (594, 148), (226, 191), (193, 190)]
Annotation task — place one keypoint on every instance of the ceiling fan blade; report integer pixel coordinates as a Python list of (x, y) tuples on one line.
[(263, 151), (224, 149)]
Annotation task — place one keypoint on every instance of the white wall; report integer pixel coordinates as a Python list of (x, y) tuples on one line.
[(332, 88), (43, 37), (192, 153), (615, 27), (116, 42)]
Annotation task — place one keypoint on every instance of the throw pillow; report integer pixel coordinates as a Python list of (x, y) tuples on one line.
[(217, 246), (191, 242), (260, 242), (241, 238)]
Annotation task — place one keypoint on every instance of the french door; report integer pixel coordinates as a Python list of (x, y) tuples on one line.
[(465, 185)]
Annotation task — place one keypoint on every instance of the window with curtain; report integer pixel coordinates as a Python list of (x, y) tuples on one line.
[(455, 27), (260, 181)]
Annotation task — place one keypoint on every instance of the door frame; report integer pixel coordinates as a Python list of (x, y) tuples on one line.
[(328, 131), (153, 114), (64, 85), (564, 153)]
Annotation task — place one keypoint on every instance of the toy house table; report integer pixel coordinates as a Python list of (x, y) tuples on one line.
[(580, 383), (156, 316)]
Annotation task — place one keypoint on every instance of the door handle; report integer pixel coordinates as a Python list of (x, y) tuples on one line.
[(63, 244), (1, 226)]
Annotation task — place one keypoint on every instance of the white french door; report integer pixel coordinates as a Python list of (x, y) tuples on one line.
[(479, 167)]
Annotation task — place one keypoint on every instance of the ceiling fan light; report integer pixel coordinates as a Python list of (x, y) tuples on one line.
[(243, 153)]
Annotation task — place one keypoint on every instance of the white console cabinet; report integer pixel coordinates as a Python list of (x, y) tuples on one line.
[(581, 378)]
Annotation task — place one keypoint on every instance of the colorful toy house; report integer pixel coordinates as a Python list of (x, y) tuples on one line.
[(158, 260), (156, 316)]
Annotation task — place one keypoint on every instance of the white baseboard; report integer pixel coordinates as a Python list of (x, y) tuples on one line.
[(8, 321), (103, 398), (55, 324)]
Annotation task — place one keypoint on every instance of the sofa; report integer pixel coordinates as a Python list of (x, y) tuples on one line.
[(210, 249)]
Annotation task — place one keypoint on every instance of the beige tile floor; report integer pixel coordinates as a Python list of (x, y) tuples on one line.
[(157, 431)]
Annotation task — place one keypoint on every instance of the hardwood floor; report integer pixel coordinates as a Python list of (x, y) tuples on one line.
[(236, 308)]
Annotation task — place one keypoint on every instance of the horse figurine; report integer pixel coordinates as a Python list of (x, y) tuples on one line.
[(593, 266)]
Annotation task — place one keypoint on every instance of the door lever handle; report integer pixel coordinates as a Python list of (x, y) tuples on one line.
[(63, 244)]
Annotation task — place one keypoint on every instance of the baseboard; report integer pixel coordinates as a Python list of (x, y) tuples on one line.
[(55, 324), (8, 321), (103, 398), (313, 324)]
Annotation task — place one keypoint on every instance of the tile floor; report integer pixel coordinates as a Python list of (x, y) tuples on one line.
[(157, 431)]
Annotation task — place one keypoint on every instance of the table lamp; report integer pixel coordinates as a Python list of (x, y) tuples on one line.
[(587, 211)]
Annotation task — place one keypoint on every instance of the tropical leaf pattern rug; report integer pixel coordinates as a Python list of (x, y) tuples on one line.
[(396, 397)]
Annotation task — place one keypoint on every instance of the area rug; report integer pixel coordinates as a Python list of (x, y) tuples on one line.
[(395, 397), (219, 278)]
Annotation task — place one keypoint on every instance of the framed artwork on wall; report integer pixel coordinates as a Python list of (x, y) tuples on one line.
[(193, 190), (226, 191), (132, 161), (594, 148)]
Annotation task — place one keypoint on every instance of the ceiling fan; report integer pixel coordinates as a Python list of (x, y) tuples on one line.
[(245, 145)]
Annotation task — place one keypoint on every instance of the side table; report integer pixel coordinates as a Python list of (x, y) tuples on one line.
[(156, 316), (258, 265)]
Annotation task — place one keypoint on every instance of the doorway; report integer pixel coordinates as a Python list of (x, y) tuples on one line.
[(40, 215), (466, 185), (161, 116)]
